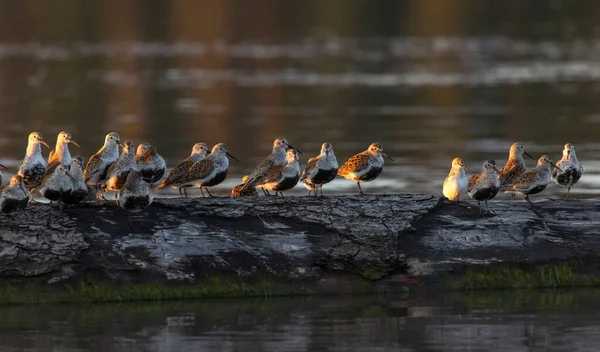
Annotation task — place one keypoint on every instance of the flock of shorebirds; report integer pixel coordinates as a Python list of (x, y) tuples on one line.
[(132, 173)]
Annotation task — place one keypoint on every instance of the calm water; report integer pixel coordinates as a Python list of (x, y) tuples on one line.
[(430, 80), (515, 321)]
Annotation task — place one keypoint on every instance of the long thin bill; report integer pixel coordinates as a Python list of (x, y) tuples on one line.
[(231, 156)]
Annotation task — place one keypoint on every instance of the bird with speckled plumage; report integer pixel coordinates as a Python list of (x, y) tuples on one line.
[(33, 166), (239, 191), (150, 163), (286, 177), (79, 189), (266, 170), (484, 185), (320, 170), (534, 181), (572, 170), (14, 196), (57, 185), (180, 170), (60, 155), (209, 171), (365, 166), (117, 173), (515, 165), (457, 182), (97, 167), (135, 195)]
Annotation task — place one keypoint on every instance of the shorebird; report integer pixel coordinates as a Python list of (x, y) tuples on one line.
[(287, 177), (484, 185), (209, 171), (33, 166), (534, 181), (150, 163), (238, 190), (268, 167), (456, 183), (571, 169), (117, 172), (2, 167), (79, 189), (15, 195), (61, 154), (364, 166), (178, 172), (57, 185), (135, 195), (320, 170), (97, 167), (515, 166)]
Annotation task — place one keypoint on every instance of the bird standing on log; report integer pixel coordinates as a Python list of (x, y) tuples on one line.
[(79, 189), (286, 176), (320, 170), (484, 185), (571, 169), (33, 166), (117, 173), (365, 166), (60, 155), (534, 181), (456, 183), (515, 166), (180, 170), (267, 168), (135, 195), (209, 171), (14, 196), (98, 165), (57, 185), (150, 163)]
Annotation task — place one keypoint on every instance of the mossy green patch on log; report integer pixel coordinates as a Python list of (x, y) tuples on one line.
[(544, 276)]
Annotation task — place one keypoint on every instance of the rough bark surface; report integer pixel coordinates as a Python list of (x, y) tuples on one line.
[(393, 239)]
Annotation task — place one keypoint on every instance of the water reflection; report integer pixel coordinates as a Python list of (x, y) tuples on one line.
[(545, 320), (428, 80)]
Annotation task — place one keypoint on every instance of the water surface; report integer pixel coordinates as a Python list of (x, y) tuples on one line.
[(542, 320)]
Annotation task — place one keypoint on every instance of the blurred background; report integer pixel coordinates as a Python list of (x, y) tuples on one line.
[(430, 80)]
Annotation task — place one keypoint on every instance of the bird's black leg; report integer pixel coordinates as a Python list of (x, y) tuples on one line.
[(568, 191), (210, 195), (529, 201), (360, 189)]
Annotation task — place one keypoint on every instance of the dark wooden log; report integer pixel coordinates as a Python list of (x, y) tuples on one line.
[(391, 240)]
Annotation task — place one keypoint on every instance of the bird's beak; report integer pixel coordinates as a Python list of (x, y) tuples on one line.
[(558, 168), (232, 157), (73, 142), (464, 167), (387, 156), (70, 176), (4, 167), (118, 142), (529, 155), (496, 169), (291, 147), (44, 143)]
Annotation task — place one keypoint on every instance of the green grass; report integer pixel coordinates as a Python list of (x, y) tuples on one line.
[(545, 276)]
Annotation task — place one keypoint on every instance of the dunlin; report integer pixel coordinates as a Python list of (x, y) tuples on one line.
[(456, 183), (60, 154), (209, 171), (238, 190), (515, 166), (117, 173), (33, 166), (180, 170), (79, 189), (97, 166), (534, 181), (14, 196), (269, 167), (150, 163), (320, 170), (57, 185), (571, 169), (287, 177), (484, 185), (365, 166), (135, 195)]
